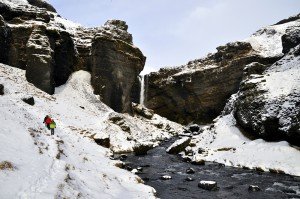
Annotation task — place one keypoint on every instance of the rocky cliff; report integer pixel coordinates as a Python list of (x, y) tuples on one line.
[(197, 92), (35, 38), (264, 72)]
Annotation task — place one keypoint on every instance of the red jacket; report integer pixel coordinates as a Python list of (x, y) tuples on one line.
[(48, 120)]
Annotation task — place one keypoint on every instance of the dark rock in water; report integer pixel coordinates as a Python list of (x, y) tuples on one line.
[(189, 179), (145, 165), (142, 148), (123, 157), (146, 179), (208, 185), (190, 171), (198, 162), (179, 145), (182, 188), (128, 168), (289, 191), (254, 188), (165, 177), (187, 159), (1, 89), (140, 169), (194, 128), (28, 100), (105, 142), (230, 187)]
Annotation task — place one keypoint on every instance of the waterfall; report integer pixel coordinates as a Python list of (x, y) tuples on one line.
[(142, 92)]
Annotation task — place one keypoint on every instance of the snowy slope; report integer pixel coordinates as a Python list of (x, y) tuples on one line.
[(226, 144), (267, 41), (70, 163)]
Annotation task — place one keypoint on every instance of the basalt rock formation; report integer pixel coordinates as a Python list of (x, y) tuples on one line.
[(35, 38), (107, 53), (198, 91)]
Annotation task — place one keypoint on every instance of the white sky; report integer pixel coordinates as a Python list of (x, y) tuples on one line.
[(172, 32)]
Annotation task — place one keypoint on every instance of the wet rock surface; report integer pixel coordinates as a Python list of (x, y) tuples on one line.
[(232, 182)]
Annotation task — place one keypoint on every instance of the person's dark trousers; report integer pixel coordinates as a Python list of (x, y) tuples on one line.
[(52, 131)]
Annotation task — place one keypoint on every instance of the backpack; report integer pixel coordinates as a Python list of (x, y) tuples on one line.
[(52, 125)]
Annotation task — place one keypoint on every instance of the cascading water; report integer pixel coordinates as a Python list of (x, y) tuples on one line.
[(142, 92)]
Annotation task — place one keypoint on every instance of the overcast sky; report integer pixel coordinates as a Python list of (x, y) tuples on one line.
[(172, 32)]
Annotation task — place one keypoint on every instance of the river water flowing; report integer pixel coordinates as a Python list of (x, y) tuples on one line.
[(232, 182)]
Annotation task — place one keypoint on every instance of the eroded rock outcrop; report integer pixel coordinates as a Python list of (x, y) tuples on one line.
[(268, 105), (115, 65), (198, 91), (39, 68), (35, 38)]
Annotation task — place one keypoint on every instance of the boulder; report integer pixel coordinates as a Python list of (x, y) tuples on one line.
[(121, 122), (142, 148), (189, 179), (28, 100), (179, 145), (198, 162), (208, 185), (141, 110), (253, 188), (190, 171), (166, 177), (102, 141), (123, 157), (194, 128), (1, 89)]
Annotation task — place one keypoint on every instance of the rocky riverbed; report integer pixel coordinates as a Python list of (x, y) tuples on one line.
[(174, 178)]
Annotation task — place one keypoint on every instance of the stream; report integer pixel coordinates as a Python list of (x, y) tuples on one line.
[(232, 182)]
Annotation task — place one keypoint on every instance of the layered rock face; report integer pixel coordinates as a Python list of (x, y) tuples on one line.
[(197, 92), (35, 38), (115, 66)]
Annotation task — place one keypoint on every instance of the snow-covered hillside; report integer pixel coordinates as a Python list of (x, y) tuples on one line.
[(70, 163)]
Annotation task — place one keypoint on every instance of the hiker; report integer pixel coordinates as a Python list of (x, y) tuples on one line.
[(47, 121), (52, 127)]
